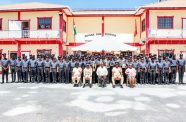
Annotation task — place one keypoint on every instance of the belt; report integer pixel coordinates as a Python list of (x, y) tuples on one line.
[(25, 67), (47, 67), (18, 66), (173, 66)]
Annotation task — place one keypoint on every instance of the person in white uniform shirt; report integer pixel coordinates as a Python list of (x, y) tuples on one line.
[(87, 75), (102, 73), (117, 75), (131, 73), (76, 74)]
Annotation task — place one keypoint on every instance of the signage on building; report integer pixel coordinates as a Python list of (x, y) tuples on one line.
[(87, 37)]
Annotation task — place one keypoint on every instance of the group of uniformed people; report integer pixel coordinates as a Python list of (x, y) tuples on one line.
[(91, 69)]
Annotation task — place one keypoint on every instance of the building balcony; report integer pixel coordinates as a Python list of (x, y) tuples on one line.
[(34, 34), (166, 33)]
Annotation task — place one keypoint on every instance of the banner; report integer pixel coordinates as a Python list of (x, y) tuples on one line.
[(87, 37)]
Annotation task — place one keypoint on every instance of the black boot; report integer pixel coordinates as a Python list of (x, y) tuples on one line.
[(90, 85)]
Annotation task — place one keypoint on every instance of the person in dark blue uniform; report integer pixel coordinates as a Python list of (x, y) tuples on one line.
[(152, 69), (72, 65), (19, 69), (181, 68), (160, 70), (5, 68), (33, 65), (142, 69), (173, 62), (40, 69), (47, 67), (13, 69), (54, 67), (166, 70), (25, 69), (61, 65), (67, 71), (135, 64)]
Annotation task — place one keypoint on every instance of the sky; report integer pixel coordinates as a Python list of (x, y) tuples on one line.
[(90, 4)]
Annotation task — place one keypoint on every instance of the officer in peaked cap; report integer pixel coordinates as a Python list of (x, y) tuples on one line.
[(13, 68), (25, 68), (142, 70), (61, 65), (67, 70), (40, 67), (54, 68), (19, 69), (181, 68), (152, 69), (5, 67), (47, 65), (33, 66), (167, 69), (160, 69)]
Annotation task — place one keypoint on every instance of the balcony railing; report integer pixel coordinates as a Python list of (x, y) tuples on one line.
[(30, 34), (164, 33)]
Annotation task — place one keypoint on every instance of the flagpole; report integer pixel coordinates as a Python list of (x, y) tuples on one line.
[(74, 31)]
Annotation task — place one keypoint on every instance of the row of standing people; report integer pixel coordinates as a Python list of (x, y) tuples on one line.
[(148, 69)]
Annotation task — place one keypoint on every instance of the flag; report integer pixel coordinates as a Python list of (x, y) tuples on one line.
[(74, 28), (136, 29)]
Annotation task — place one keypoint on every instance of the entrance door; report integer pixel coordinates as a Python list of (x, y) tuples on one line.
[(1, 51), (25, 53), (25, 29), (13, 54)]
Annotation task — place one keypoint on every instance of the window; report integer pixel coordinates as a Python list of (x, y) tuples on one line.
[(1, 24), (44, 52), (143, 25), (166, 53), (64, 25), (165, 22), (45, 23)]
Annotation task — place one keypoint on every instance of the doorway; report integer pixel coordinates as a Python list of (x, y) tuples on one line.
[(25, 26), (1, 51), (12, 54)]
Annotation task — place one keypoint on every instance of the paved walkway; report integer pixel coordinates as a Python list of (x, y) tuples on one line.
[(63, 103)]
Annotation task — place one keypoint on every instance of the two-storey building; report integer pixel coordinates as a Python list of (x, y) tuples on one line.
[(33, 28), (40, 28)]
